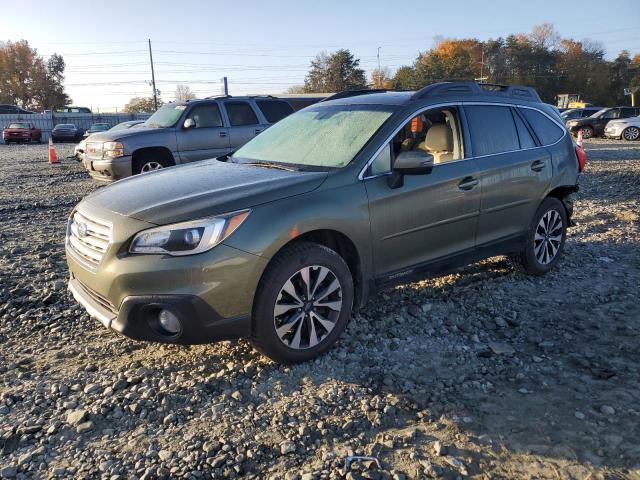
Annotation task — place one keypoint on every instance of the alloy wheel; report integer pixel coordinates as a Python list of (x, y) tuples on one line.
[(548, 237), (631, 133), (150, 167), (587, 132), (307, 307)]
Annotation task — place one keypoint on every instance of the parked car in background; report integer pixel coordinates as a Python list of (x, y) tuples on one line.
[(21, 132), (126, 125), (80, 149), (306, 221), (303, 100), (574, 113), (97, 127), (65, 132), (73, 110), (182, 132), (594, 125), (624, 128), (13, 109)]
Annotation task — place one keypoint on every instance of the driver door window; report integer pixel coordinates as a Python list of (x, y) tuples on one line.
[(436, 132), (206, 116)]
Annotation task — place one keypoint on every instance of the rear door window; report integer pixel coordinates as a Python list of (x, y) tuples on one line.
[(274, 110), (492, 129), (526, 140), (628, 112), (240, 114), (545, 129)]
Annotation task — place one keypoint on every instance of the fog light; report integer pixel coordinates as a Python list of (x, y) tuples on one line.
[(169, 322)]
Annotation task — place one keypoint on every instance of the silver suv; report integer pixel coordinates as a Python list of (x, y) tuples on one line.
[(182, 132)]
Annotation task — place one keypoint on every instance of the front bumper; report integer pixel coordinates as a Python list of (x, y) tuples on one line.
[(612, 133), (212, 292), (137, 317), (108, 170)]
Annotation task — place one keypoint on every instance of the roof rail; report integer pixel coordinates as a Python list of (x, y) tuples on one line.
[(219, 96), (354, 93), (474, 88)]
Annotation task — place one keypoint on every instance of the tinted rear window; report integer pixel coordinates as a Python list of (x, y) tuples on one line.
[(492, 129), (274, 110), (546, 131), (240, 113)]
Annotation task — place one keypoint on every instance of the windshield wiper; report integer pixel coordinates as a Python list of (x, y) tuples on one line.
[(270, 165)]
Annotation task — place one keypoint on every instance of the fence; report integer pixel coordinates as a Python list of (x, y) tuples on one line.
[(46, 121)]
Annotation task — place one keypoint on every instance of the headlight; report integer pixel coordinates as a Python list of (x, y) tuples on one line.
[(112, 149), (571, 123), (188, 238)]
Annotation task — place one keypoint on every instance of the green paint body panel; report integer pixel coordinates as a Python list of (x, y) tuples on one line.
[(394, 230)]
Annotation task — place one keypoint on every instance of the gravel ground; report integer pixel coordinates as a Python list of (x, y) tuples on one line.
[(485, 373)]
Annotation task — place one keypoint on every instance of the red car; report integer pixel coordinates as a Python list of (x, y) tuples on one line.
[(21, 132)]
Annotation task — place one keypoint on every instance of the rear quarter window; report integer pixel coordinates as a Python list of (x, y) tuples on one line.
[(274, 110), (546, 130), (492, 129)]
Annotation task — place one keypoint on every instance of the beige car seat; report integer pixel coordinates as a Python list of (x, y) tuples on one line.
[(439, 143)]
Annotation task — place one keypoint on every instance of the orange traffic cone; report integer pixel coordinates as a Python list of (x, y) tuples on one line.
[(579, 141), (53, 158)]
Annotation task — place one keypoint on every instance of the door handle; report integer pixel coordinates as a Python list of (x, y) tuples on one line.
[(538, 165), (223, 134), (468, 183), (257, 131)]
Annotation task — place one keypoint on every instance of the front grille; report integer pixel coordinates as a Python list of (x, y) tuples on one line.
[(96, 297), (88, 239)]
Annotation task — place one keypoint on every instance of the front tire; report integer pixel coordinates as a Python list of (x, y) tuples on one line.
[(303, 303), (631, 134), (149, 163), (587, 132), (545, 238)]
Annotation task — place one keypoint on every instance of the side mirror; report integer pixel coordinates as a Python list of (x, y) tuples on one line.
[(410, 163), (189, 123)]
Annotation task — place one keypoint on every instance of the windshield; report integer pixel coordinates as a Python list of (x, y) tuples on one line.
[(323, 136), (64, 125), (569, 114), (166, 116), (600, 112), (100, 126), (19, 125)]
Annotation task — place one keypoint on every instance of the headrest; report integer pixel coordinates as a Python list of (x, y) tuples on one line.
[(439, 138)]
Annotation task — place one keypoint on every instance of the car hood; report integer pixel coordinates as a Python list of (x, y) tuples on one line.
[(200, 190), (109, 136)]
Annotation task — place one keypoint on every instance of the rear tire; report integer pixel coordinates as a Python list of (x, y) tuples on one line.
[(545, 238), (302, 304)]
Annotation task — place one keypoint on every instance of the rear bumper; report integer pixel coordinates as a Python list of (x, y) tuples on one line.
[(137, 317), (108, 170)]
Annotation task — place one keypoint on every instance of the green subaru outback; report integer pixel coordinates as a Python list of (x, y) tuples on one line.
[(282, 240)]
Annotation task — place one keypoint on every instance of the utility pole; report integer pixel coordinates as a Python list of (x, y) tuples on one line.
[(379, 59), (153, 79)]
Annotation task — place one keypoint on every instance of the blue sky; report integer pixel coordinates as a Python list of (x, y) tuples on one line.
[(266, 46)]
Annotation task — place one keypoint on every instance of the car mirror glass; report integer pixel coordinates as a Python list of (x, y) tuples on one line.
[(189, 123)]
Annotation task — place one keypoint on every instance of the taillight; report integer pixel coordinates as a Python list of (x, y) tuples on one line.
[(581, 155)]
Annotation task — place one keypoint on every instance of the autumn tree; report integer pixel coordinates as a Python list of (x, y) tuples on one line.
[(184, 93), (28, 81), (334, 72), (382, 78), (141, 105)]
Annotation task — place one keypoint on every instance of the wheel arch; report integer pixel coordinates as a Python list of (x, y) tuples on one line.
[(343, 246), (564, 193), (162, 152)]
